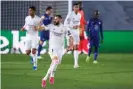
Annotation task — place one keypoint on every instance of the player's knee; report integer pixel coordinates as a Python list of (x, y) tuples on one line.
[(96, 49), (76, 47), (34, 51), (28, 52), (55, 59), (41, 42)]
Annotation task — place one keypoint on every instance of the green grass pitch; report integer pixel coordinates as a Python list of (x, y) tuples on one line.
[(114, 71)]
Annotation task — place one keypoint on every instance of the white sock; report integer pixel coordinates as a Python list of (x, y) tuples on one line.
[(47, 75), (60, 58), (53, 68), (34, 56), (76, 57), (50, 71)]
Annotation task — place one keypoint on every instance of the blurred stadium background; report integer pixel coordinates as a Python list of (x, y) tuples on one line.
[(117, 17), (115, 70)]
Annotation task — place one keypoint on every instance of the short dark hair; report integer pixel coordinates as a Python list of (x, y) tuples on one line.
[(48, 8), (33, 8), (59, 16), (75, 4)]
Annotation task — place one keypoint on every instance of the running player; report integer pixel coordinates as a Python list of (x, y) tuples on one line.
[(56, 42), (46, 19), (31, 23)]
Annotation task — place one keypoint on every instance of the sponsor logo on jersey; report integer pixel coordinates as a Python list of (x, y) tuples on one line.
[(57, 34)]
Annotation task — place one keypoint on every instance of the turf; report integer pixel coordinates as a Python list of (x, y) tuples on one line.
[(114, 71)]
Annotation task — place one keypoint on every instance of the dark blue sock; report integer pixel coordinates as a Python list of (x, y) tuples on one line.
[(89, 53), (95, 56), (96, 53), (39, 49)]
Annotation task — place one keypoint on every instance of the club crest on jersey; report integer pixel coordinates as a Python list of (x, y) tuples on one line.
[(99, 22)]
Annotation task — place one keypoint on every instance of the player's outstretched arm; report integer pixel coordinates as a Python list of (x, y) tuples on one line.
[(41, 20), (40, 28), (23, 28), (43, 27), (67, 21)]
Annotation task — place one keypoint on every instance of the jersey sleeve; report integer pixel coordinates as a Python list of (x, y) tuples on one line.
[(41, 19), (25, 24), (67, 21), (101, 29)]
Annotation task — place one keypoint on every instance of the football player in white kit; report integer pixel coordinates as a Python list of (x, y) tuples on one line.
[(73, 22), (31, 23), (56, 42)]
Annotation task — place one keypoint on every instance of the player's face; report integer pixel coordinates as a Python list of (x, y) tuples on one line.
[(76, 8), (96, 15), (56, 21), (50, 11), (31, 12)]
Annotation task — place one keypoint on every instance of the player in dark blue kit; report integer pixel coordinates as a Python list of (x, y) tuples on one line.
[(46, 19), (94, 27)]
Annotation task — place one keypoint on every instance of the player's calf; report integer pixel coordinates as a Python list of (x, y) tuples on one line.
[(76, 65), (39, 49), (28, 52), (34, 59), (95, 55)]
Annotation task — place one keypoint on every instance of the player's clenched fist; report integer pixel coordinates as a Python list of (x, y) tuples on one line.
[(22, 29)]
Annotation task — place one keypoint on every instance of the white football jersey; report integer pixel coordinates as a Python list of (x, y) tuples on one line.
[(57, 35), (30, 24), (72, 19)]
